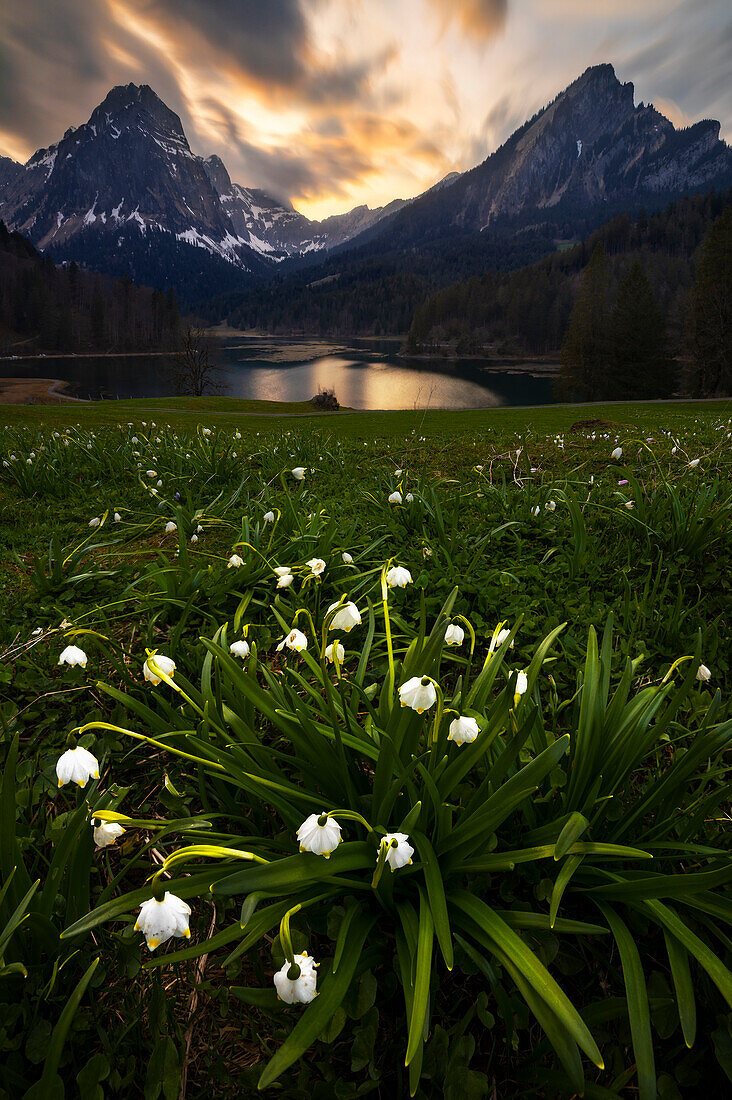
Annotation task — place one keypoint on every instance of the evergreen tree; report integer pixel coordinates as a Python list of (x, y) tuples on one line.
[(585, 354), (638, 333), (709, 332)]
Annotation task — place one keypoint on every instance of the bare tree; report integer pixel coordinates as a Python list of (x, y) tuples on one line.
[(192, 370)]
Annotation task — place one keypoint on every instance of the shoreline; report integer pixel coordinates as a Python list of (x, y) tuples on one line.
[(36, 391)]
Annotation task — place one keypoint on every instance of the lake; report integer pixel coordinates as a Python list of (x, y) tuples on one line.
[(365, 374)]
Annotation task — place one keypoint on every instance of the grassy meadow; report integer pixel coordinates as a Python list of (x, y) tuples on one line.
[(481, 659)]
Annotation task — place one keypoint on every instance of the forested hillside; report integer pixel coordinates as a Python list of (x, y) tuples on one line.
[(48, 308), (526, 312)]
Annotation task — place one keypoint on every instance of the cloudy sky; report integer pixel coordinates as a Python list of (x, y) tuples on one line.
[(337, 102)]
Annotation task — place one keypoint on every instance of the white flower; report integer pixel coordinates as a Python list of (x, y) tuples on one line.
[(234, 562), (339, 650), (703, 674), (345, 618), (463, 730), (399, 854), (418, 693), (409, 498), (239, 649), (161, 662), (694, 463), (499, 639), (617, 453), (106, 832), (301, 990), (77, 766), (152, 473), (72, 655), (285, 580), (398, 473), (298, 473), (347, 559), (269, 517), (194, 538), (170, 527), (537, 510), (398, 577), (395, 497), (159, 920), (295, 640), (117, 517), (454, 634), (322, 839), (282, 570), (522, 683), (550, 506), (317, 566), (95, 521)]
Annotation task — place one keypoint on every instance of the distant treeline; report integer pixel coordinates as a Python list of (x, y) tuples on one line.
[(527, 312), (66, 309)]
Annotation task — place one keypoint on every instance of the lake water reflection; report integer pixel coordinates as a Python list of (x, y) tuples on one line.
[(367, 375)]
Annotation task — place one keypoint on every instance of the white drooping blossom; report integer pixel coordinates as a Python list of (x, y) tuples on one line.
[(298, 473), (395, 497), (399, 854), (345, 618), (398, 577), (72, 655), (285, 580), (269, 517), (463, 730), (162, 663), (159, 920), (295, 640), (76, 766), (170, 527), (317, 566), (319, 834), (339, 652), (282, 570), (498, 639), (347, 559), (301, 990), (703, 673), (106, 832), (239, 649), (418, 693), (617, 453), (117, 517), (152, 473), (409, 498), (522, 683), (234, 562), (95, 521), (454, 634), (550, 506), (694, 463)]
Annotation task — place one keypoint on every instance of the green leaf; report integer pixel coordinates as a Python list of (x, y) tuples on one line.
[(436, 896)]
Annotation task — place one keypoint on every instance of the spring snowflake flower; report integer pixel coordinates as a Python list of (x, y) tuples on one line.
[(285, 580), (76, 766), (152, 473), (694, 463), (234, 562), (298, 473), (345, 618), (418, 693), (340, 652), (703, 673), (522, 683), (399, 854), (454, 634), (347, 559), (106, 832), (398, 577), (161, 662), (159, 920), (295, 640), (319, 834), (550, 506), (269, 517), (117, 517), (239, 649), (301, 990), (463, 730), (95, 521), (170, 527), (317, 566), (499, 639), (395, 497), (72, 655), (409, 498), (617, 453)]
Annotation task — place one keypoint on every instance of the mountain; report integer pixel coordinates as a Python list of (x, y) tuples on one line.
[(124, 192), (590, 154)]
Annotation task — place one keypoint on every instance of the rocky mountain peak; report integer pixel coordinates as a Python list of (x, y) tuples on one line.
[(136, 106)]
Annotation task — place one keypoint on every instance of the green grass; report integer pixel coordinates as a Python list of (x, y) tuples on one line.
[(516, 519)]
